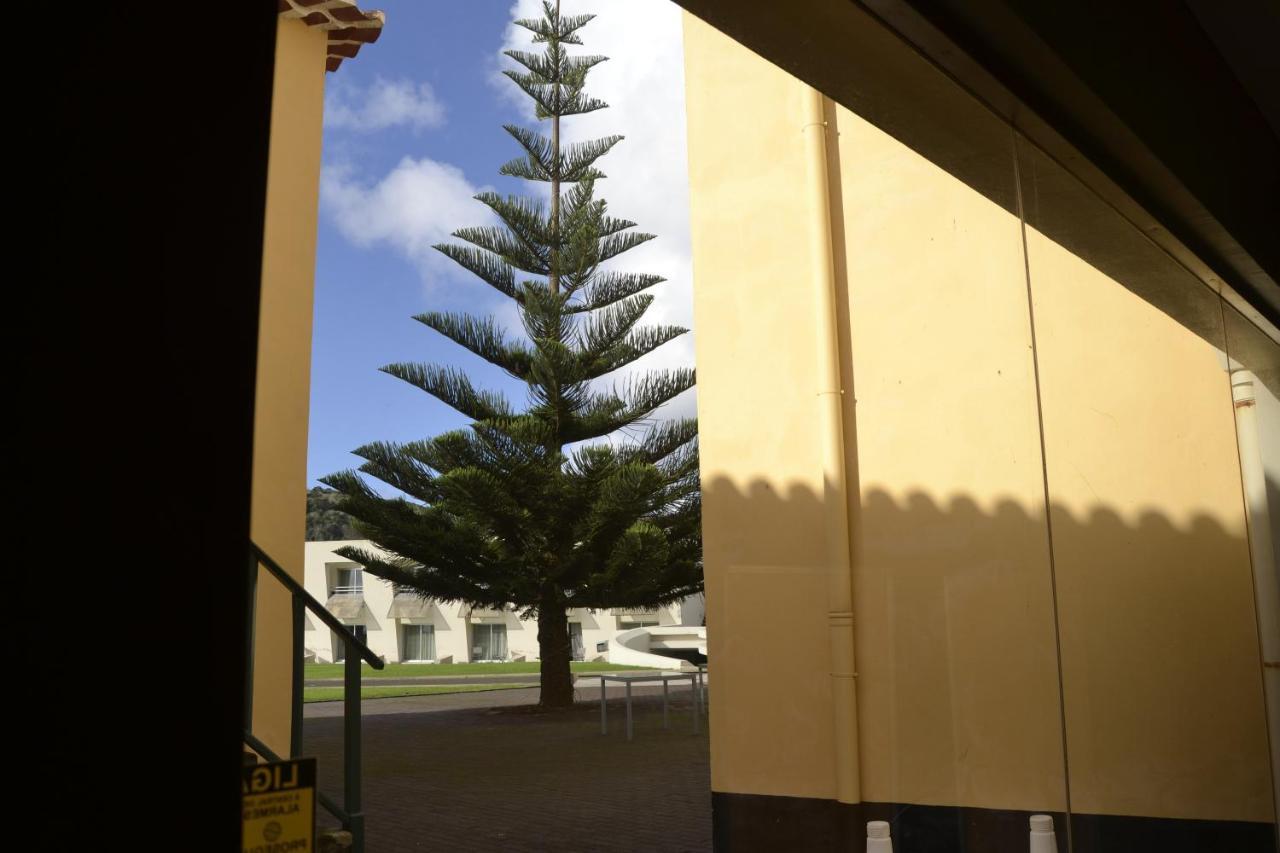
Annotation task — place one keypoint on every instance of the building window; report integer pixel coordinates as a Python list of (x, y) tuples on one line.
[(575, 641), (340, 648), (488, 642), (348, 581), (419, 642)]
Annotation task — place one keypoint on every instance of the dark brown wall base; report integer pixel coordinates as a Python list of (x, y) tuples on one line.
[(1114, 834), (745, 823)]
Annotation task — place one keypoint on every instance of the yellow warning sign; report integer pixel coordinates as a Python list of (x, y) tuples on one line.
[(279, 806)]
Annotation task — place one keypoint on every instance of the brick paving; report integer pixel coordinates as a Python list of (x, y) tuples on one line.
[(475, 772)]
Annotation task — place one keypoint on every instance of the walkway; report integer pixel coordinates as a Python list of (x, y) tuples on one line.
[(481, 772)]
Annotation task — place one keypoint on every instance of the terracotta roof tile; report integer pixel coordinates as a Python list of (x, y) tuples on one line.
[(348, 26)]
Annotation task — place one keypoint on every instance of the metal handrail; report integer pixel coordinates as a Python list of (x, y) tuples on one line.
[(270, 754), (350, 814), (315, 606)]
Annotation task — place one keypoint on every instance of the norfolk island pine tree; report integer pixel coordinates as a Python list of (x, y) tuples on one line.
[(531, 508)]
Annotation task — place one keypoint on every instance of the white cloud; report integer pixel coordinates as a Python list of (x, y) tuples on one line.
[(643, 83), (418, 203), (385, 103)]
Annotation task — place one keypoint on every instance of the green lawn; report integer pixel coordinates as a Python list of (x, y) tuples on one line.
[(418, 670), (331, 694)]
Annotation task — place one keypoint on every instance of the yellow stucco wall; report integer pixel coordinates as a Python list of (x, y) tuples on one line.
[(278, 521), (956, 562), (762, 525)]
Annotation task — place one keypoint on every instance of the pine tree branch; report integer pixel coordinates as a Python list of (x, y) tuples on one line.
[(553, 27), (579, 103), (608, 287), (648, 391), (635, 345), (545, 95), (444, 583), (556, 389), (604, 413), (526, 220), (604, 329), (537, 149), (577, 160), (613, 245), (491, 269), (507, 246), (481, 336), (561, 68), (665, 438), (608, 226), (389, 463), (482, 497), (543, 314), (451, 387)]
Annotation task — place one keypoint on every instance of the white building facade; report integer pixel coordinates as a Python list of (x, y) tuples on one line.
[(404, 628)]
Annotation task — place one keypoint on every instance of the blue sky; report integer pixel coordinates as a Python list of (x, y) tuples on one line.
[(413, 129)]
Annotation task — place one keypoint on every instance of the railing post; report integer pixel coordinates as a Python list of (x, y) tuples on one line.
[(351, 747), (299, 665), (352, 815), (251, 618)]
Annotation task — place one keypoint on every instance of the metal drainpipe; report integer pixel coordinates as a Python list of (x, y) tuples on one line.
[(835, 498)]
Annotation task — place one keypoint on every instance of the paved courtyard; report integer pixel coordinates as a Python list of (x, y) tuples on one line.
[(478, 771)]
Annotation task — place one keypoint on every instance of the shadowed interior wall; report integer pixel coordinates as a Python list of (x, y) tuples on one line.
[(965, 586), (278, 522)]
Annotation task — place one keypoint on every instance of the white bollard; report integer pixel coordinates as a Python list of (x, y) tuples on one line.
[(878, 840), (1042, 837)]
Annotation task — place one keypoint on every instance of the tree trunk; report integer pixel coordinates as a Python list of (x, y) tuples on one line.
[(555, 654)]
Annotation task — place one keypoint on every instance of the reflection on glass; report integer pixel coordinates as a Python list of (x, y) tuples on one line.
[(1255, 393), (1155, 602)]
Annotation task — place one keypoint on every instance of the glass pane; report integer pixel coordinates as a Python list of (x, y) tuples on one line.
[(339, 648), (499, 642), (419, 642), (953, 585), (1255, 386), (1163, 718), (412, 638), (489, 642)]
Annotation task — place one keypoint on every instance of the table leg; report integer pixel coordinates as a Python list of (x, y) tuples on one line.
[(604, 723), (665, 723), (697, 713), (628, 710)]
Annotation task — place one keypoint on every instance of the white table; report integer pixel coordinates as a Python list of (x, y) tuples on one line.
[(695, 682)]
